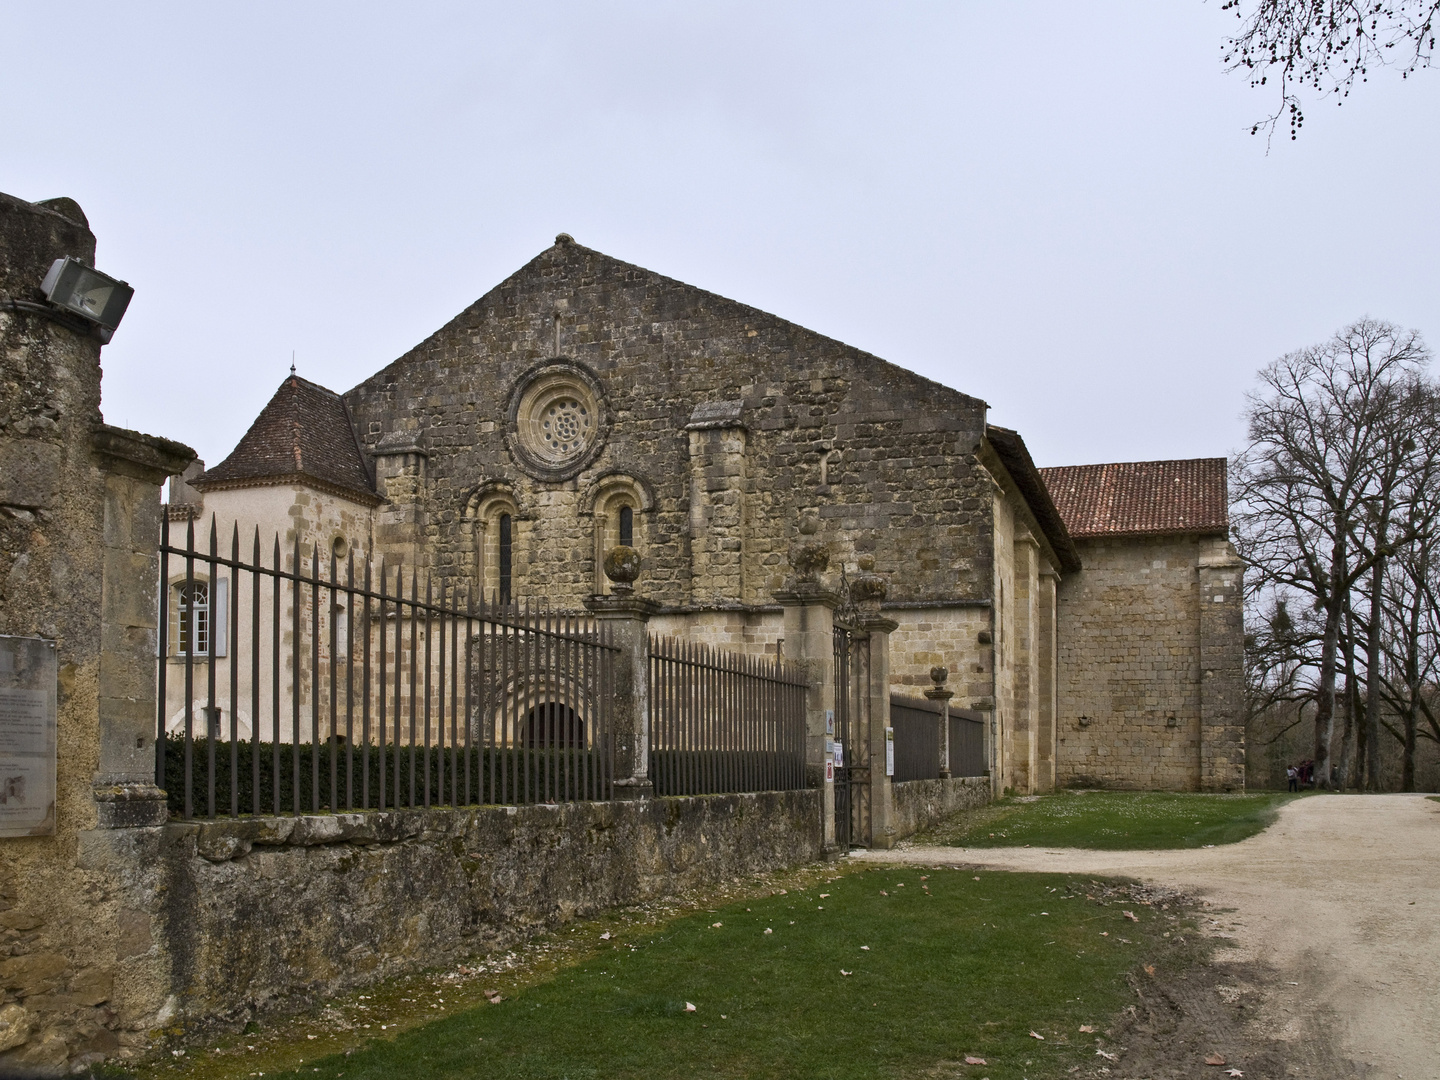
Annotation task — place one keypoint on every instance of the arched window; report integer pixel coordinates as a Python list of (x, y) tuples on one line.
[(618, 504), (499, 541), (507, 554)]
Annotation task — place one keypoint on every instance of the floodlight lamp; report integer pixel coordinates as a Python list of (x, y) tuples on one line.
[(74, 287)]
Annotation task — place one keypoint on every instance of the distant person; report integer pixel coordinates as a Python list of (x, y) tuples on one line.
[(1292, 774)]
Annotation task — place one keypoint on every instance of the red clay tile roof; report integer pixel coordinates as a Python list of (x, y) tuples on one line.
[(1140, 498), (304, 435)]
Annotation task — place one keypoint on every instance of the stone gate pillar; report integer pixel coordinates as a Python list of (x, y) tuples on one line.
[(809, 640), (868, 590), (627, 616), (135, 466), (79, 523)]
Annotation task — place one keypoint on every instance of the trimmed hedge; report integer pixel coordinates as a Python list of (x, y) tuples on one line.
[(519, 775)]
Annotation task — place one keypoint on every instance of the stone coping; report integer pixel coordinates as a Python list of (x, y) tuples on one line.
[(233, 838)]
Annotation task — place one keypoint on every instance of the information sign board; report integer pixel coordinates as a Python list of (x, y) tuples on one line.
[(28, 685)]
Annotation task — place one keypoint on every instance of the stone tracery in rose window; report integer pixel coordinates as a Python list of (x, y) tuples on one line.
[(565, 427)]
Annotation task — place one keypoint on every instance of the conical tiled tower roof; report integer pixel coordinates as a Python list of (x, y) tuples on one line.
[(304, 435)]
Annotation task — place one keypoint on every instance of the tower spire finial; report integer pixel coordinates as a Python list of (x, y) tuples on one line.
[(292, 361)]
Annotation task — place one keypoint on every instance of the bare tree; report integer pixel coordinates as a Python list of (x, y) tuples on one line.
[(1326, 46), (1311, 485), (1410, 607), (1396, 519)]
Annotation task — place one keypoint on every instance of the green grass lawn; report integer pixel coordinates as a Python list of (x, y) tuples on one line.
[(1111, 821), (864, 973)]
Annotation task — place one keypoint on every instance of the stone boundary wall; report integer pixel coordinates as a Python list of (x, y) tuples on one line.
[(270, 912), (921, 803)]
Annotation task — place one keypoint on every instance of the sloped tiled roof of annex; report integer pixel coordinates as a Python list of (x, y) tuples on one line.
[(1013, 454), (1141, 498), (304, 434)]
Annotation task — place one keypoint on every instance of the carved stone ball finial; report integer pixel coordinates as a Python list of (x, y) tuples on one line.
[(809, 557), (808, 560), (938, 675), (622, 567), (868, 590), (866, 563)]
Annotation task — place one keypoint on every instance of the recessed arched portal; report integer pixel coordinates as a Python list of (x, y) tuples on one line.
[(554, 725)]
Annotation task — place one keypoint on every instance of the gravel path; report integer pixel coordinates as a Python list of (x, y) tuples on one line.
[(1339, 899)]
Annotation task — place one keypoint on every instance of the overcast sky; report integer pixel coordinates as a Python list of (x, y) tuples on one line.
[(1056, 207)]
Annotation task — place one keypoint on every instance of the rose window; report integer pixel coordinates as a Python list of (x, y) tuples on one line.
[(558, 423), (564, 427)]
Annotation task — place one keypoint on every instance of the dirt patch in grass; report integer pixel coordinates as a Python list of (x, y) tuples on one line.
[(1186, 1018)]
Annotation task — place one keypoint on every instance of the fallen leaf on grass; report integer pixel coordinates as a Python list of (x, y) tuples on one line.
[(1106, 1056), (1131, 916), (846, 973), (605, 936), (1149, 969), (1088, 1029), (689, 1006), (1233, 1072), (1037, 1035), (824, 896), (716, 925), (864, 948), (1214, 1059), (884, 893), (972, 1060), (768, 930)]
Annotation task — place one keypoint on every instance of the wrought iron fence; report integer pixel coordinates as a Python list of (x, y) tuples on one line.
[(331, 687), (721, 722), (917, 740)]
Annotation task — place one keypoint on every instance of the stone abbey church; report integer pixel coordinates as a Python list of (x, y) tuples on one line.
[(1091, 614)]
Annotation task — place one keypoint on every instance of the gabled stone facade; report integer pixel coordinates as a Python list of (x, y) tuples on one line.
[(585, 400)]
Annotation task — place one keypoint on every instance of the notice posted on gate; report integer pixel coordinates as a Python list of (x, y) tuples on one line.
[(28, 687)]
